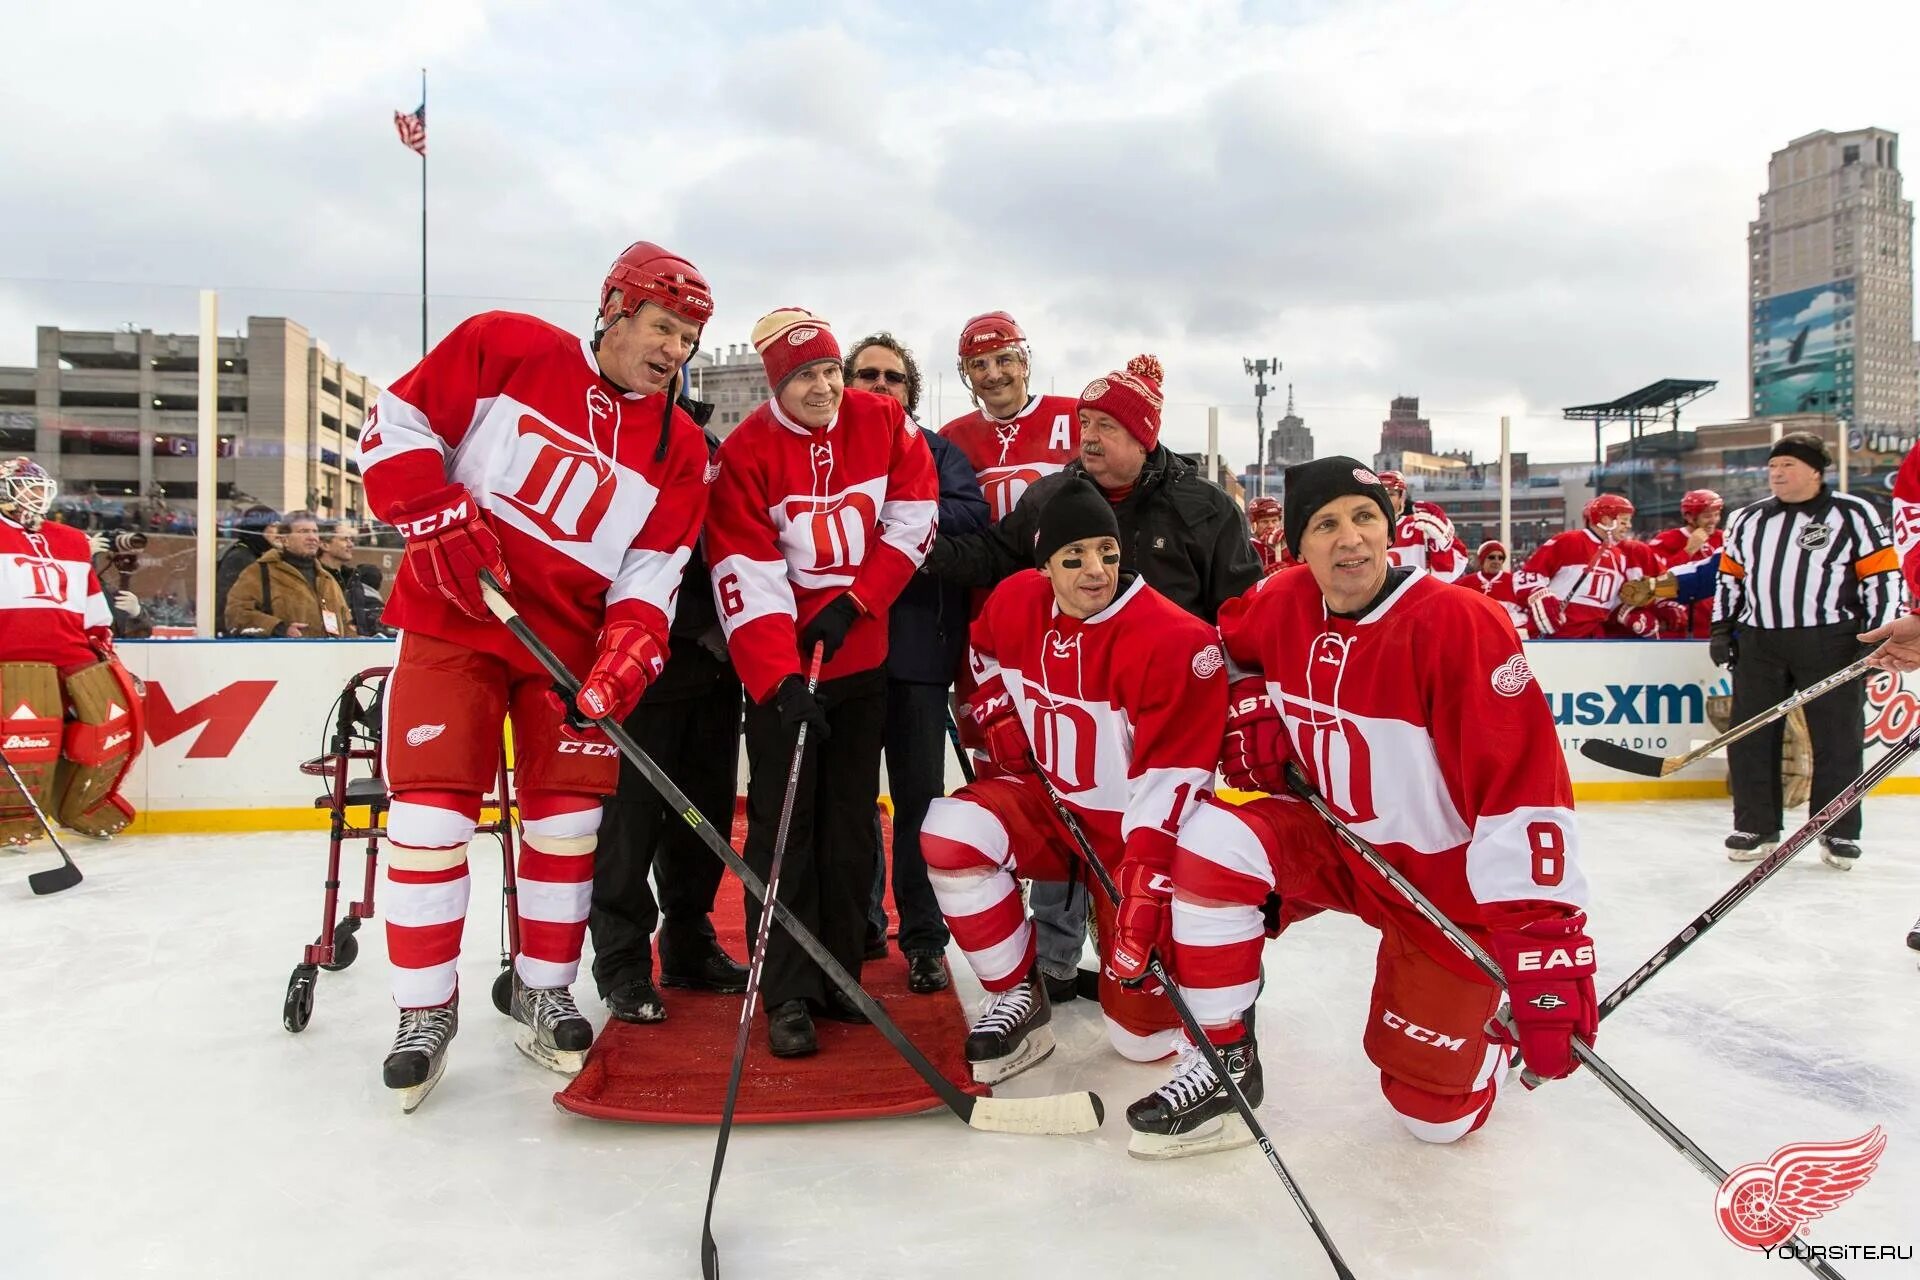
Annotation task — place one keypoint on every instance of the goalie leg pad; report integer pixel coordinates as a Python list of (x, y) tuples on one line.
[(101, 742), (30, 720)]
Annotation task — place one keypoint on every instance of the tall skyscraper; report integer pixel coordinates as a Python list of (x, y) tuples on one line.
[(1404, 431), (1291, 441), (1830, 273)]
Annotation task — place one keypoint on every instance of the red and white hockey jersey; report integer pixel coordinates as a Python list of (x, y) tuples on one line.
[(594, 528), (1412, 549), (1423, 727), (800, 516), (51, 606), (1586, 574), (1906, 523), (1009, 455), (1508, 591), (1671, 546), (1125, 710)]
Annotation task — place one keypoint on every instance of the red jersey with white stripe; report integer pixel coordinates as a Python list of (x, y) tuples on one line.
[(1507, 591), (1009, 455), (1412, 549), (593, 526), (1671, 545), (51, 605), (801, 515), (1586, 574), (1423, 727), (1125, 710), (1906, 523)]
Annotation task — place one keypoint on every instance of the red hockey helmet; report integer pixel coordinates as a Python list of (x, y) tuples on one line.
[(1490, 545), (1393, 482), (1608, 506), (26, 491), (993, 331), (1695, 501), (1264, 508), (648, 273)]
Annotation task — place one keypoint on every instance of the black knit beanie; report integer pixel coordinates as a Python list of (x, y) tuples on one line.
[(1078, 512), (1312, 485), (1804, 445)]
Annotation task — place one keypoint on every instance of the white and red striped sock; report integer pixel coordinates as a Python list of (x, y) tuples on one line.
[(425, 903), (558, 833)]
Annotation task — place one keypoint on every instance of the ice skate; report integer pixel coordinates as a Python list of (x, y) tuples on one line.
[(1013, 1032), (419, 1054), (1840, 853), (551, 1030), (1745, 846), (1193, 1113)]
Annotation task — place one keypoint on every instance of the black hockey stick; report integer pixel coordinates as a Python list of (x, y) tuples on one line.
[(959, 752), (1829, 814), (1196, 1033), (1490, 969), (54, 879), (1058, 1113), (709, 1251), (1615, 756)]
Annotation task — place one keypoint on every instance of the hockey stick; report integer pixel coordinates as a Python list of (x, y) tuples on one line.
[(1195, 1032), (709, 1251), (959, 752), (1615, 756), (53, 879), (1490, 969), (1829, 814), (1058, 1113)]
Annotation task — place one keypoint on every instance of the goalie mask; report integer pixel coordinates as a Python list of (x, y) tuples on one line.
[(26, 492)]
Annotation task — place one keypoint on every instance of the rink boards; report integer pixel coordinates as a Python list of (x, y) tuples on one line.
[(229, 721)]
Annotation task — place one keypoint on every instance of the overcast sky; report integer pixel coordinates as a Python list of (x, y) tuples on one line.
[(1500, 207)]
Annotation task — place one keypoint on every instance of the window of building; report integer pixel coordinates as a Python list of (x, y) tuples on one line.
[(16, 439), (100, 399), (16, 395)]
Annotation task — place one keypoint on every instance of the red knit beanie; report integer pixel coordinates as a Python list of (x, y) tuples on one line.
[(789, 340), (1130, 397)]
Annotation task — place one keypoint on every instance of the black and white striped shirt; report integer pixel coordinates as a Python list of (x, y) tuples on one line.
[(1818, 563)]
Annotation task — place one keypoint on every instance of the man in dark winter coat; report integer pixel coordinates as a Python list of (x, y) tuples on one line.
[(253, 537)]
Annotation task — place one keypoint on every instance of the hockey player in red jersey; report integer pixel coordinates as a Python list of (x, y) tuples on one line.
[(1264, 515), (1697, 537), (561, 466), (1580, 574), (1423, 535), (74, 715), (1410, 707), (824, 508), (1012, 438), (1492, 579), (1117, 694)]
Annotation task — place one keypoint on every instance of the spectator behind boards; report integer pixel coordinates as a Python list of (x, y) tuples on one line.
[(286, 593)]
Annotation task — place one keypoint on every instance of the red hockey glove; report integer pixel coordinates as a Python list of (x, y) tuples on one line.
[(449, 542), (1140, 921), (1434, 530), (1549, 612), (1549, 968), (628, 661), (1254, 754), (1641, 620), (1673, 617), (1005, 736)]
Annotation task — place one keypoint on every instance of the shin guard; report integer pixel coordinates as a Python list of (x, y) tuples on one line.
[(30, 721), (101, 742)]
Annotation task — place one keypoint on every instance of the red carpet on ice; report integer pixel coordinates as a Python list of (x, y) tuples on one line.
[(675, 1072)]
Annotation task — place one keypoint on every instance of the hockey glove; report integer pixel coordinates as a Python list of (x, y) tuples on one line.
[(1722, 647), (1140, 921), (1549, 613), (1675, 618), (1005, 737), (1642, 621), (799, 705), (1635, 592), (1254, 754), (448, 543), (1434, 530), (1549, 968), (629, 660), (829, 627)]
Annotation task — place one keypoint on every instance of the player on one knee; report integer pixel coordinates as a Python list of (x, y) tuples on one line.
[(1410, 707), (1119, 696), (560, 466)]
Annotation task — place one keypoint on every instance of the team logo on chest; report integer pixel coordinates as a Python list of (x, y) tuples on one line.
[(831, 532), (46, 580), (562, 485), (1331, 741)]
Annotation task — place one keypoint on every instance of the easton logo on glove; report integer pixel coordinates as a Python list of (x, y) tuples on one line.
[(1558, 958), (1547, 1000)]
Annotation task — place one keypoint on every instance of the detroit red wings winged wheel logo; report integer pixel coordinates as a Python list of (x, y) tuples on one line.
[(1760, 1205), (1512, 676)]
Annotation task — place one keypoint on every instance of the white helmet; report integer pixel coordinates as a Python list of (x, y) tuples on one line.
[(26, 491)]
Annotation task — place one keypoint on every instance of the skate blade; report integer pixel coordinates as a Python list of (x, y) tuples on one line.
[(414, 1094), (1750, 855), (1838, 864), (1034, 1050), (1222, 1133), (566, 1062)]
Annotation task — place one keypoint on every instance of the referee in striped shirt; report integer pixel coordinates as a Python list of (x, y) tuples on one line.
[(1802, 574)]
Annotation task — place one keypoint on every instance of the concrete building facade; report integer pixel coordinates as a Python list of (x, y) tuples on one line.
[(731, 378)]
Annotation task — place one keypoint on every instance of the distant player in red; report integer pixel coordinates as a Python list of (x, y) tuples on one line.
[(1422, 535), (1698, 537), (1499, 584), (1580, 573), (1119, 696), (1264, 515), (1409, 706), (73, 714), (560, 465)]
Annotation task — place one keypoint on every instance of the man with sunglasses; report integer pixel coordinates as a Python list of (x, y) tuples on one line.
[(1494, 580)]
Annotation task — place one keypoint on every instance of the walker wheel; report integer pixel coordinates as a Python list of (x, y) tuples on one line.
[(346, 947), (298, 1006), (503, 992)]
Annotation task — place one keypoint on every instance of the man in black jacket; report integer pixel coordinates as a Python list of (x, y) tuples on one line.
[(927, 638)]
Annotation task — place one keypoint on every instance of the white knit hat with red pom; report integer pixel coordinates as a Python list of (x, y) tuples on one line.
[(1130, 396)]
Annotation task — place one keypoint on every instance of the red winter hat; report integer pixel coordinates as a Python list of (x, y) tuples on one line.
[(789, 340), (1130, 397)]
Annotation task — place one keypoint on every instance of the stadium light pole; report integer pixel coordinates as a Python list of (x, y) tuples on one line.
[(1258, 371)]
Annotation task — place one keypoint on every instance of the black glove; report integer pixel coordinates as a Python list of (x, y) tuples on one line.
[(829, 626), (1722, 647), (798, 705)]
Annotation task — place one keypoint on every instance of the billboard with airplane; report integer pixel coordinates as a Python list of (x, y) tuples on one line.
[(1799, 340)]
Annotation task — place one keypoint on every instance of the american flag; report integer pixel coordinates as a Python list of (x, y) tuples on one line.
[(412, 128)]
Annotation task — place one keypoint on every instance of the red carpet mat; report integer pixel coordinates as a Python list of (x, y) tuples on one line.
[(675, 1072)]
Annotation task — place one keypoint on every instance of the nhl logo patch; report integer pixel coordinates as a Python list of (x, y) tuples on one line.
[(802, 336), (1512, 676), (1208, 662), (1814, 537), (1365, 476)]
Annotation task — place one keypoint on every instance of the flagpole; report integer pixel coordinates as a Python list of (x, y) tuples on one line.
[(423, 217)]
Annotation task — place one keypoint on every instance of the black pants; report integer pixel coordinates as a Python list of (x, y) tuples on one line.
[(696, 740), (1772, 664), (827, 875), (916, 749)]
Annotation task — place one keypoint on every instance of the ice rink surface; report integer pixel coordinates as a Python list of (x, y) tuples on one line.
[(156, 1120)]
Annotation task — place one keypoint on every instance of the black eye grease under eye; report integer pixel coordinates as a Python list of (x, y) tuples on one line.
[(1075, 563)]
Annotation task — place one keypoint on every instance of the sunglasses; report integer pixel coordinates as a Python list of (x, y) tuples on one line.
[(893, 376)]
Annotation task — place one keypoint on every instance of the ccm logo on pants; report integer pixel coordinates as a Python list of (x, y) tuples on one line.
[(573, 747), (1425, 1035)]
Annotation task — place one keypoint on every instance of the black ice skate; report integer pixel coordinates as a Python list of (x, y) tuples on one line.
[(1013, 1032), (1745, 846), (1913, 936), (1839, 852), (551, 1030), (1192, 1113), (419, 1053)]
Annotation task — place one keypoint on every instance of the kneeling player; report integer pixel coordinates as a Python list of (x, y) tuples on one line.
[(1118, 695), (1409, 706)]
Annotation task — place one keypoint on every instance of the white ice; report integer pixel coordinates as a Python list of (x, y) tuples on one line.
[(156, 1120)]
